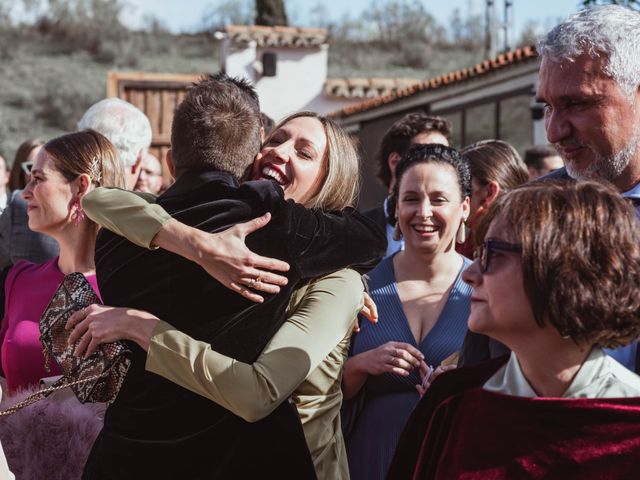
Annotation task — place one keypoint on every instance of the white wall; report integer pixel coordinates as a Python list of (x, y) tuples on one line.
[(298, 84)]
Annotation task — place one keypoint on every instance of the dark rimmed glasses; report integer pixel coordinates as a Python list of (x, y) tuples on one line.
[(489, 246)]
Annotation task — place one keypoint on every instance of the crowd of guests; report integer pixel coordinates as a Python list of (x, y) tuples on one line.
[(482, 322)]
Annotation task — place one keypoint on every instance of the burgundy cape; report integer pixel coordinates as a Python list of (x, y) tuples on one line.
[(459, 430)]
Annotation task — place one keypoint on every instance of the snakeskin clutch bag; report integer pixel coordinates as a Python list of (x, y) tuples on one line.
[(97, 378)]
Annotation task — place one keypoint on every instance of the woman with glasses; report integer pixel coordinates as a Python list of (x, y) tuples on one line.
[(556, 281), (423, 306)]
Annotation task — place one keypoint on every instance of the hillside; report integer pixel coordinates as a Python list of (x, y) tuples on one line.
[(48, 82)]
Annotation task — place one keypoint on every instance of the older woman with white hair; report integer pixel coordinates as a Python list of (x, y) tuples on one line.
[(126, 127)]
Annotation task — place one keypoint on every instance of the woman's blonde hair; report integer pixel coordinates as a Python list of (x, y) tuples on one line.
[(340, 166)]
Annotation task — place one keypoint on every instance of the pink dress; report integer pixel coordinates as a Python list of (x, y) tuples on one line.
[(28, 290)]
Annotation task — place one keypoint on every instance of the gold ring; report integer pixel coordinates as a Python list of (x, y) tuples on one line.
[(252, 282)]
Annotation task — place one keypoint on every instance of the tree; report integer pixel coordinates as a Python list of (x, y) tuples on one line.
[(271, 13)]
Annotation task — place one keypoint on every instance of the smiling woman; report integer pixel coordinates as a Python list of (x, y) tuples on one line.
[(423, 305)]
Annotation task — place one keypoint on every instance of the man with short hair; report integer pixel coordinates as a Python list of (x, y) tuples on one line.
[(542, 160), (155, 428), (412, 129), (127, 127), (590, 87)]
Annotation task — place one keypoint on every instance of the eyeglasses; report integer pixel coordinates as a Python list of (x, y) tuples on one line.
[(490, 246), (26, 167)]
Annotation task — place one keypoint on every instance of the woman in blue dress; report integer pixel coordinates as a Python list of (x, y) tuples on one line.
[(423, 305)]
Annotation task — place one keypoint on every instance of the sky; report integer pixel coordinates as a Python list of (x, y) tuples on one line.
[(185, 15)]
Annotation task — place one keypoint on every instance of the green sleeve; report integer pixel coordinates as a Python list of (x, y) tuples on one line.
[(321, 319), (133, 215)]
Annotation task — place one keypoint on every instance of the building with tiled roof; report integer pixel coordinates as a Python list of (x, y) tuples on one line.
[(492, 99), (289, 67)]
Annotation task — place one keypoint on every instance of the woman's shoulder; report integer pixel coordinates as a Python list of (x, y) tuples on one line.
[(25, 270)]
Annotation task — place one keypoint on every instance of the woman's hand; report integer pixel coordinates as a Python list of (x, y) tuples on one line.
[(428, 375), (97, 324), (392, 357), (225, 256), (369, 311)]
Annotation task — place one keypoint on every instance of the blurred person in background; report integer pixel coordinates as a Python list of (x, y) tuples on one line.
[(150, 179), (542, 160), (17, 241), (495, 168), (423, 306), (414, 128), (126, 127), (4, 180), (23, 162)]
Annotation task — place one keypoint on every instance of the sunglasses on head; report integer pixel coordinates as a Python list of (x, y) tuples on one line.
[(26, 167)]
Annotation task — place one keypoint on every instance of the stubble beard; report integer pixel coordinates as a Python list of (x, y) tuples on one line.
[(605, 168)]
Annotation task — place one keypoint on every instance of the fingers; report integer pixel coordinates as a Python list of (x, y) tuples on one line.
[(83, 344), (421, 390), (266, 279), (408, 352), (246, 292), (369, 309), (76, 318), (272, 264), (441, 369), (252, 225), (356, 325)]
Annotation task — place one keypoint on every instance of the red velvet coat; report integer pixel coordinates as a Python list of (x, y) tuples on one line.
[(459, 430)]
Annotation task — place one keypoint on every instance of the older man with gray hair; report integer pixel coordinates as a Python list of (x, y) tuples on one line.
[(590, 86), (127, 127)]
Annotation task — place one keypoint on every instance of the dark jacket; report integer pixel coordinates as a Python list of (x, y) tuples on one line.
[(156, 429)]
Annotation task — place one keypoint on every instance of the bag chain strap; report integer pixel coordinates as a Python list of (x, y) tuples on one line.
[(45, 392)]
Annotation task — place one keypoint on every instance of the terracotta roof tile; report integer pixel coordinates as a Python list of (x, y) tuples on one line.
[(291, 37), (501, 61), (366, 87)]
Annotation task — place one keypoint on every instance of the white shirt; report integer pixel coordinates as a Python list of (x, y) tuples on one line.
[(600, 376)]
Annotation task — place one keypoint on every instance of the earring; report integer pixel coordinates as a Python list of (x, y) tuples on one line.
[(397, 233), (461, 234), (78, 214)]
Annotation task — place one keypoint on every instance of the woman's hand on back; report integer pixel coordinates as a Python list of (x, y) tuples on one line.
[(225, 256)]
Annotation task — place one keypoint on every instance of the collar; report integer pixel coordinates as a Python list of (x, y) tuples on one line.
[(510, 380), (194, 179)]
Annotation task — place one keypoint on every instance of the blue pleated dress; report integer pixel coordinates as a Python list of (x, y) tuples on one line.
[(388, 399)]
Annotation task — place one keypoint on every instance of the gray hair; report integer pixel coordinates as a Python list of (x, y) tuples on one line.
[(126, 126), (610, 31)]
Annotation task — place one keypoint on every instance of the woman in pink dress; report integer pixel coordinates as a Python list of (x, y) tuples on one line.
[(65, 169)]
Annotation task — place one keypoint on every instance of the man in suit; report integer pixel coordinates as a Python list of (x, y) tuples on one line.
[(156, 429), (414, 128), (590, 87)]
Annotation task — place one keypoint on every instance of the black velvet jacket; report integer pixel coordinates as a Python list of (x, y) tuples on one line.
[(156, 429)]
